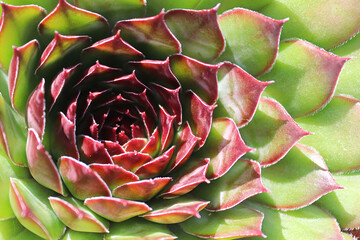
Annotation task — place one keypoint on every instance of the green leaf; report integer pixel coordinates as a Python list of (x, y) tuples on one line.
[(205, 45), (153, 7), (298, 180), (73, 235), (301, 66), (7, 170), (13, 230), (115, 10), (340, 203), (252, 39), (13, 134), (4, 86), (348, 80), (76, 216), (18, 26), (325, 23), (30, 203), (138, 229), (272, 132), (335, 135), (307, 223), (70, 20), (240, 221), (229, 4), (21, 74)]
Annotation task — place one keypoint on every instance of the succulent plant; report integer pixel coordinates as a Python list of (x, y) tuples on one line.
[(133, 119)]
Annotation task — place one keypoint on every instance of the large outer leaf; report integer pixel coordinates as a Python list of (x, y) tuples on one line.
[(325, 23)]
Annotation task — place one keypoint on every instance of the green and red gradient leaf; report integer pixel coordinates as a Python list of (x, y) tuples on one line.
[(150, 35), (224, 147), (205, 45), (239, 183), (252, 39), (272, 132), (239, 94), (70, 20), (301, 66), (21, 74), (341, 203), (240, 222), (81, 180), (41, 165), (75, 216), (298, 180), (175, 210), (30, 203), (116, 209)]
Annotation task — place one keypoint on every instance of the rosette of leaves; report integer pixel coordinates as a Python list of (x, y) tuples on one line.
[(144, 120)]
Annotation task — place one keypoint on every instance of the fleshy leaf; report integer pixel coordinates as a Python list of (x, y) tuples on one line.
[(199, 115), (340, 203), (32, 209), (114, 175), (139, 229), (335, 133), (81, 180), (272, 132), (12, 229), (142, 190), (299, 67), (324, 23), (75, 216), (175, 211), (8, 170), (150, 35), (70, 20), (156, 166), (35, 110), (348, 84), (224, 147), (93, 151), (239, 183), (41, 165), (190, 176), (112, 51), (64, 143), (115, 10), (116, 209), (74, 235), (58, 84), (204, 45), (252, 39), (298, 180), (157, 71), (289, 225), (167, 128), (185, 142), (17, 27), (239, 94), (21, 74), (13, 133), (4, 86), (131, 161), (239, 222), (61, 52), (229, 4), (196, 76)]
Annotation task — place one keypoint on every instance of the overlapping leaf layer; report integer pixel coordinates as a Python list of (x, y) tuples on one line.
[(131, 119)]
